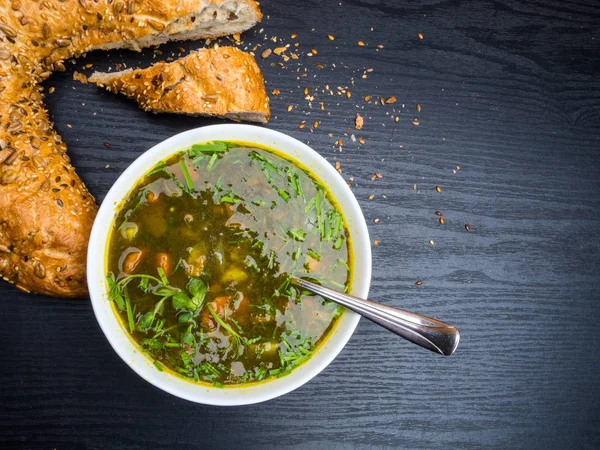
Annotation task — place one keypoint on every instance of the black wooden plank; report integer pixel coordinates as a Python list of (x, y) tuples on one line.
[(510, 93)]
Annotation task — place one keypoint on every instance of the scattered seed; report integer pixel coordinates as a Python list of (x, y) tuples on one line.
[(294, 36), (380, 46), (51, 90), (290, 108), (442, 221), (361, 44), (397, 119), (415, 186), (418, 107), (279, 50), (415, 122), (361, 140), (302, 125), (468, 227), (378, 175), (438, 213), (431, 242), (390, 100), (305, 91), (367, 98), (376, 241), (359, 121), (418, 283), (276, 92), (348, 94), (371, 197), (60, 203), (438, 189), (106, 144), (331, 38), (420, 36), (316, 124), (265, 54), (376, 220), (313, 51)]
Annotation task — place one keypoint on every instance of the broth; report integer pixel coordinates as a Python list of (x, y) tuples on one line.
[(200, 259)]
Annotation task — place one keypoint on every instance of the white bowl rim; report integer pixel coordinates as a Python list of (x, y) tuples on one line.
[(244, 394)]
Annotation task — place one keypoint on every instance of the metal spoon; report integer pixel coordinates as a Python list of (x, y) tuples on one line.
[(429, 333)]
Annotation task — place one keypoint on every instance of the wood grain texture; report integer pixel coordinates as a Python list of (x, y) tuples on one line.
[(510, 93)]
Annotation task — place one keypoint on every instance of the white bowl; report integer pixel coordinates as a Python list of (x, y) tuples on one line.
[(117, 334)]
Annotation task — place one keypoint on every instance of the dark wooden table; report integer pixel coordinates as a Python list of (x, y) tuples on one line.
[(510, 93)]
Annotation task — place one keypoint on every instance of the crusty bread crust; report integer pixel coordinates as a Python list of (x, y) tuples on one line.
[(46, 212), (223, 82)]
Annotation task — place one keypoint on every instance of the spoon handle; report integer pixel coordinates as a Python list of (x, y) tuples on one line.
[(429, 333)]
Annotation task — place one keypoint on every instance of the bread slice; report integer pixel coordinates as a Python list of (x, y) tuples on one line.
[(220, 82), (201, 19)]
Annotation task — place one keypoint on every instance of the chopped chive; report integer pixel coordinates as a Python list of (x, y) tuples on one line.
[(213, 147), (338, 223), (320, 223), (213, 160), (163, 276), (219, 183), (179, 261), (257, 156), (258, 202), (271, 257), (338, 243), (343, 263), (283, 194), (310, 205), (228, 199), (297, 234), (129, 311), (157, 168), (296, 254), (198, 159), (186, 175), (313, 254), (158, 365)]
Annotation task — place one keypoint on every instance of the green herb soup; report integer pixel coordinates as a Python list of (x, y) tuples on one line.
[(200, 260)]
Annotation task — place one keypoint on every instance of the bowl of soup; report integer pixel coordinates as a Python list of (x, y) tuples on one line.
[(193, 251)]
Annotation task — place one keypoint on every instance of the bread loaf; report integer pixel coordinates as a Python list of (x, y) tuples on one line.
[(223, 82), (46, 212)]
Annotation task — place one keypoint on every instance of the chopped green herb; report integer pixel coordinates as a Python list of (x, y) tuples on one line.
[(186, 175), (212, 161), (213, 147), (313, 254), (297, 234)]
